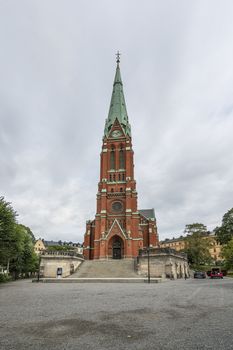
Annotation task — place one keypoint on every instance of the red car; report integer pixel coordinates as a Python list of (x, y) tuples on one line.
[(216, 274)]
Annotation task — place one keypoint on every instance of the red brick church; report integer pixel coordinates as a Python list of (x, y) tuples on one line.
[(119, 229)]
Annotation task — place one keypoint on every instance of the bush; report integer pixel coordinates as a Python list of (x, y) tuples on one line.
[(4, 278)]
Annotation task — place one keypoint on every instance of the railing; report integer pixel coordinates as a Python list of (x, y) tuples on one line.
[(61, 253), (158, 251), (116, 194)]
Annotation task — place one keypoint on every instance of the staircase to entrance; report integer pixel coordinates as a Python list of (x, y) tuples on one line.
[(123, 268)]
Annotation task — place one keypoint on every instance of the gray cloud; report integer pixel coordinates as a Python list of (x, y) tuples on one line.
[(57, 68)]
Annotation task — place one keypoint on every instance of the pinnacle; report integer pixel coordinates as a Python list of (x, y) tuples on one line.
[(117, 108)]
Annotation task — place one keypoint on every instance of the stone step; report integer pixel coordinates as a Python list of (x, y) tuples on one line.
[(123, 268), (98, 280)]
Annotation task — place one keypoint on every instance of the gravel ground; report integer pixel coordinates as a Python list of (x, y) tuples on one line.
[(192, 314)]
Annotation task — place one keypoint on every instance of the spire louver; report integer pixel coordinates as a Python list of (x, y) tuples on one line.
[(117, 108)]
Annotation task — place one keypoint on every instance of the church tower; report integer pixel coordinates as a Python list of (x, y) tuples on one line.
[(119, 229)]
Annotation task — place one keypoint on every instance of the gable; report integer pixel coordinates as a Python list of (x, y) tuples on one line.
[(116, 130), (116, 229)]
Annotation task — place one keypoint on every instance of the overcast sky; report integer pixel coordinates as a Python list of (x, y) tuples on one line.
[(57, 65)]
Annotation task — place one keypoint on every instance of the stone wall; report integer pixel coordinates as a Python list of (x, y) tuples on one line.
[(165, 263), (56, 264)]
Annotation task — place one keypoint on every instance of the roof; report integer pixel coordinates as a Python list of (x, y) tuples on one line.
[(51, 243), (148, 213), (171, 240), (117, 108), (182, 238)]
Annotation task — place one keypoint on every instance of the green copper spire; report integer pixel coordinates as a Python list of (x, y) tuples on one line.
[(117, 108)]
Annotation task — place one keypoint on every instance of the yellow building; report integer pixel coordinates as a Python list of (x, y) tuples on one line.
[(39, 246), (179, 244), (42, 245), (174, 243), (215, 250)]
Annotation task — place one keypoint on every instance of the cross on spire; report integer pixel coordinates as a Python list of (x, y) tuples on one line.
[(118, 57)]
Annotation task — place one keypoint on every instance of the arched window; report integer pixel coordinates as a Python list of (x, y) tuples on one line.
[(123, 177), (110, 178), (121, 189), (114, 177), (121, 158), (119, 177), (112, 158), (112, 190)]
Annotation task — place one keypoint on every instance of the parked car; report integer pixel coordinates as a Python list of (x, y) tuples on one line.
[(199, 274), (214, 269), (216, 274)]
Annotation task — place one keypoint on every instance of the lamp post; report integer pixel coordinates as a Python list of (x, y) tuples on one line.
[(38, 276), (148, 257)]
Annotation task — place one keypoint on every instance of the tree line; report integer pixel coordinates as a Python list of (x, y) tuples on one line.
[(197, 247), (17, 256)]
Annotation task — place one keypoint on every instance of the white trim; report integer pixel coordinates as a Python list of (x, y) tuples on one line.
[(104, 150), (119, 228), (116, 182)]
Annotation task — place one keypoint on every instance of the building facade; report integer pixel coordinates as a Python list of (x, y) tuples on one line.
[(119, 229), (39, 246), (164, 263), (42, 245), (179, 245)]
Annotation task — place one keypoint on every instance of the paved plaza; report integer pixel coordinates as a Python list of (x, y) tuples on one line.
[(192, 314)]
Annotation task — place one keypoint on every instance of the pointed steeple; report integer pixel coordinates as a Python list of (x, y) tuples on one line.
[(117, 108)]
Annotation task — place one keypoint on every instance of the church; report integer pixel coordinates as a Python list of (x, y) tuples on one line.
[(119, 229)]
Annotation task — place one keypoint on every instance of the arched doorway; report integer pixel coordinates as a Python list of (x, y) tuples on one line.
[(116, 247)]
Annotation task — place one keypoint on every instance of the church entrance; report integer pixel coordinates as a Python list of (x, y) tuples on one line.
[(117, 247)]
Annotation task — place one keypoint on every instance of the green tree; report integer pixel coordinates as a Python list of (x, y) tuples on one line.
[(196, 245), (25, 260), (16, 242), (196, 227), (8, 241), (28, 230), (224, 233), (227, 253)]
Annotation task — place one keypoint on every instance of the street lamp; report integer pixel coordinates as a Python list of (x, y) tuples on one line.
[(148, 257), (38, 276)]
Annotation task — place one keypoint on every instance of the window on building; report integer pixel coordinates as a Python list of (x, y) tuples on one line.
[(121, 158), (112, 158)]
